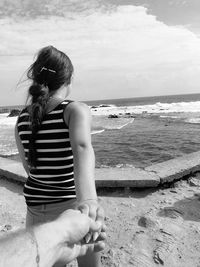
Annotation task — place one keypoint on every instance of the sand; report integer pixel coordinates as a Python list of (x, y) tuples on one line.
[(151, 227)]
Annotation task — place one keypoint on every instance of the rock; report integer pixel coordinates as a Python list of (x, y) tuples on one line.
[(147, 222), (104, 106), (94, 106), (14, 113), (112, 116)]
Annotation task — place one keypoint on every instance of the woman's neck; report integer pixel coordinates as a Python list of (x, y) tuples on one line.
[(61, 93)]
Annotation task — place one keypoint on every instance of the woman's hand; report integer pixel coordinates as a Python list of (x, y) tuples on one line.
[(94, 210)]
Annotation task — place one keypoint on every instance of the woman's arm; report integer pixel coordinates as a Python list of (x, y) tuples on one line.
[(21, 150), (78, 118)]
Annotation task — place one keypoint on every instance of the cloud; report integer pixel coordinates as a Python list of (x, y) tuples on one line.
[(123, 45)]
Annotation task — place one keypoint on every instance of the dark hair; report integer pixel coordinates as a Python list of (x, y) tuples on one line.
[(51, 69)]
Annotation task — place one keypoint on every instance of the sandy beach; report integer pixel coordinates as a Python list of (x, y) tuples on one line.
[(146, 227)]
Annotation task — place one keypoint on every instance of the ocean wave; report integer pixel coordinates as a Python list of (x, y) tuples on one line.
[(171, 117), (97, 131), (118, 127), (122, 165), (111, 127), (179, 107), (193, 120), (7, 121), (6, 154)]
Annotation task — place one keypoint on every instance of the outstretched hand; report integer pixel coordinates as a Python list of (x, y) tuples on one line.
[(74, 227), (94, 210)]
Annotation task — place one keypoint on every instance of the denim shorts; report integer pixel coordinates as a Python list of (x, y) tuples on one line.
[(47, 212)]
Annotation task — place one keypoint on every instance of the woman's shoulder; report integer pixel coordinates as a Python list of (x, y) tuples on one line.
[(76, 110), (77, 107)]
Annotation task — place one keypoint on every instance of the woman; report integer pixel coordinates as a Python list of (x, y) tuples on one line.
[(54, 142)]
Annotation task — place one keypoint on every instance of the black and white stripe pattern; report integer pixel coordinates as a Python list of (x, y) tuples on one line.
[(53, 179)]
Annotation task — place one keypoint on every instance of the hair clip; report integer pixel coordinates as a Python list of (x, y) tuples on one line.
[(44, 68)]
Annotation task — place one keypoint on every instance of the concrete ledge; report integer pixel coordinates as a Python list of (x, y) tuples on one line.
[(151, 176), (105, 177), (125, 177), (177, 168), (12, 170)]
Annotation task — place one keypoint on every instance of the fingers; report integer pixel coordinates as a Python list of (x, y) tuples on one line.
[(100, 219), (96, 213), (104, 228), (92, 247), (102, 236), (93, 212), (100, 214), (95, 226)]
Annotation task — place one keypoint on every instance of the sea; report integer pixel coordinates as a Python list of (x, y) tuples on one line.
[(131, 132)]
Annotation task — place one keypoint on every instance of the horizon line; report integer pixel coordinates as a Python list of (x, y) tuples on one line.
[(110, 99)]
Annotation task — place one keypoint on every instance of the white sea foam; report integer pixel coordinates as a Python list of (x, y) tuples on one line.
[(122, 126), (98, 131), (180, 107), (7, 121), (8, 154), (171, 117), (149, 109), (193, 120)]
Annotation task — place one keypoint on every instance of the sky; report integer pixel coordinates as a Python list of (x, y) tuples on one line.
[(119, 48)]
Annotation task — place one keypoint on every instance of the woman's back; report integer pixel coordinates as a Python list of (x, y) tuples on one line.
[(52, 179)]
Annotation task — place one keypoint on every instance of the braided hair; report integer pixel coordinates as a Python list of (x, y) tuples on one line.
[(51, 69)]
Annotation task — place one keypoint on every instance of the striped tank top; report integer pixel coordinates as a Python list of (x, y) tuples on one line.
[(53, 178)]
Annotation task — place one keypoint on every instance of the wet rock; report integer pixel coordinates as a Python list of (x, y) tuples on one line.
[(104, 106), (94, 106), (14, 113), (113, 116)]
